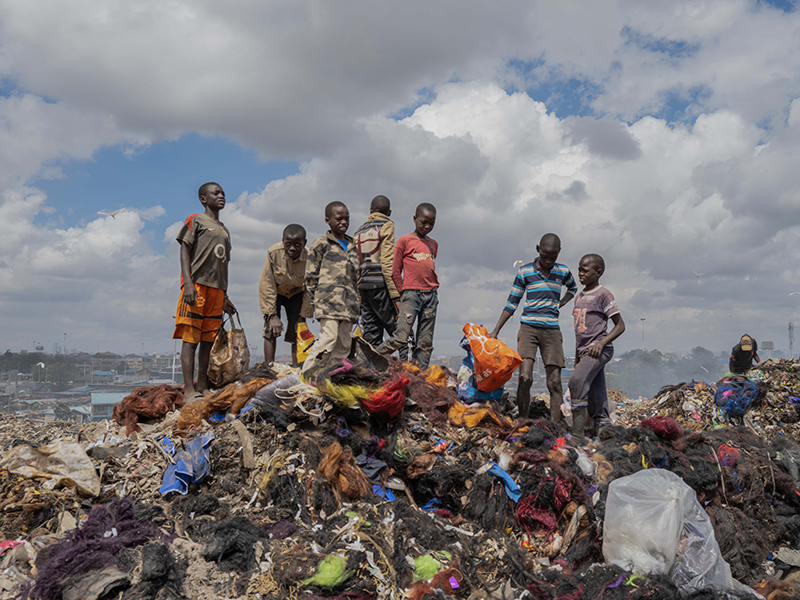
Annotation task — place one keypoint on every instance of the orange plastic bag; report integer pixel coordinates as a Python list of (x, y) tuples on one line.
[(494, 361)]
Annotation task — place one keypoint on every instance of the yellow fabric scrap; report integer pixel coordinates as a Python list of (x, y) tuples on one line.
[(348, 395), (462, 415)]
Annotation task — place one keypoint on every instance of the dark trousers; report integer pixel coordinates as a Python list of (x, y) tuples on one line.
[(378, 314), (421, 306)]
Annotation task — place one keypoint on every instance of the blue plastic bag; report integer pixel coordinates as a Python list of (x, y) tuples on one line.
[(192, 465)]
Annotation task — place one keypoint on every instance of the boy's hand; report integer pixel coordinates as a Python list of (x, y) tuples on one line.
[(275, 326), (228, 306), (189, 293), (595, 350)]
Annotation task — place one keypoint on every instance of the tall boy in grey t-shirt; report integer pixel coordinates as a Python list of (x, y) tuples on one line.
[(594, 306)]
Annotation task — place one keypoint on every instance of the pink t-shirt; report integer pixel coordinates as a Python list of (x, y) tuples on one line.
[(591, 313), (414, 266)]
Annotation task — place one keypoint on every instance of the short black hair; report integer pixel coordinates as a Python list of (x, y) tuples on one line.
[(596, 260), (550, 240), (294, 230), (425, 206), (380, 204), (204, 188), (333, 205)]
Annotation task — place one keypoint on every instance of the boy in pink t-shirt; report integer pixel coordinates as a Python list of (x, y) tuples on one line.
[(594, 306), (414, 275)]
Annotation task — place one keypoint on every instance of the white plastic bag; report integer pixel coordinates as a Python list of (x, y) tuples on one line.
[(60, 463), (654, 524)]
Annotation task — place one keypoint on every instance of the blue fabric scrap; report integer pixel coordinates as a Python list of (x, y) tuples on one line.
[(384, 493), (512, 489), (192, 465), (734, 397), (433, 504)]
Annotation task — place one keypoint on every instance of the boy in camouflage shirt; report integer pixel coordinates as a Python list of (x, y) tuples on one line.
[(332, 285)]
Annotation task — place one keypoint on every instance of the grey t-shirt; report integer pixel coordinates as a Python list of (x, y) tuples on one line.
[(591, 313), (210, 247)]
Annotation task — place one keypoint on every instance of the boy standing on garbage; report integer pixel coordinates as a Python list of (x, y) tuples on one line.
[(414, 276), (540, 282), (380, 300), (282, 284), (332, 284), (205, 254), (594, 306)]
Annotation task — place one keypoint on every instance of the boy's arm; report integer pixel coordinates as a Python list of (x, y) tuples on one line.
[(730, 362), (517, 290), (397, 266), (313, 264), (306, 308), (189, 291), (268, 298), (572, 289), (596, 349), (267, 290), (387, 259)]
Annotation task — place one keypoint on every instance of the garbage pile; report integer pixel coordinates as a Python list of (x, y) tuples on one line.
[(371, 479), (766, 401)]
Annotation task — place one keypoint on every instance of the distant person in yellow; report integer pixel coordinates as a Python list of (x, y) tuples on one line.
[(743, 354), (282, 285), (205, 254)]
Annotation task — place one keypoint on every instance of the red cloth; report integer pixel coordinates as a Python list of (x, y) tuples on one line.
[(414, 266), (391, 398), (666, 427)]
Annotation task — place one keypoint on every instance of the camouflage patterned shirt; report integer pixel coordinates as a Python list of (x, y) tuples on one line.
[(332, 279)]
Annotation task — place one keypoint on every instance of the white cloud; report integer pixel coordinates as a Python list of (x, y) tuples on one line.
[(713, 190)]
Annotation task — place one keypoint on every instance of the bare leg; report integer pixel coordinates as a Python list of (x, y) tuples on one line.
[(202, 363), (294, 354), (269, 350), (187, 368), (524, 388), (554, 387)]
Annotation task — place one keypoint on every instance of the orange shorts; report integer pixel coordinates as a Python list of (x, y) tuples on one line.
[(199, 322)]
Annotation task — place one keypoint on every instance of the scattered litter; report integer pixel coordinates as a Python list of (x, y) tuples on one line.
[(372, 481)]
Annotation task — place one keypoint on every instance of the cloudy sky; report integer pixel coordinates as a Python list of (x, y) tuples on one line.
[(665, 136)]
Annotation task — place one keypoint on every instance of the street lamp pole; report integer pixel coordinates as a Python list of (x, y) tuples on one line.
[(642, 319)]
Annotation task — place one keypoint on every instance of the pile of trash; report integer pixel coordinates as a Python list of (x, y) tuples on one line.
[(371, 479), (766, 400)]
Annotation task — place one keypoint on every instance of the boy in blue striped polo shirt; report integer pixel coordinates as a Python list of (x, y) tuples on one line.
[(540, 282)]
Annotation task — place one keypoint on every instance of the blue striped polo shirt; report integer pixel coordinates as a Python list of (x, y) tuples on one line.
[(542, 296)]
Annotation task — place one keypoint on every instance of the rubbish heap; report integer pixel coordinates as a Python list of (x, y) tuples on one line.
[(766, 400), (371, 479)]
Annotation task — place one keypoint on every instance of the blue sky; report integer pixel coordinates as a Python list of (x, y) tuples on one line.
[(661, 135), (166, 174)]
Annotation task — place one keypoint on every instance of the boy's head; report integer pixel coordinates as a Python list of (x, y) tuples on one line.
[(425, 219), (591, 267), (211, 196), (548, 248), (337, 217), (380, 204), (294, 240)]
